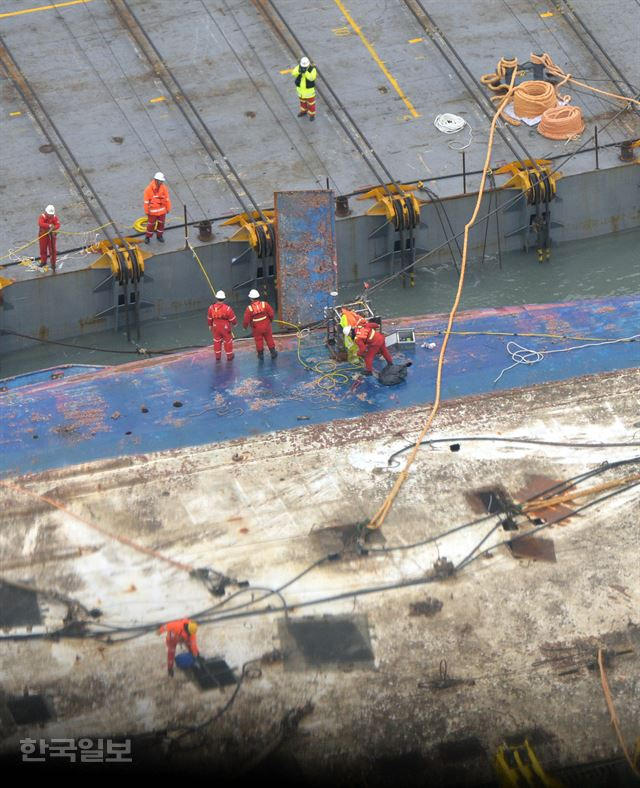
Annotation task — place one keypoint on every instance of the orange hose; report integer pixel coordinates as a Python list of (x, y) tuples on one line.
[(561, 123), (379, 517)]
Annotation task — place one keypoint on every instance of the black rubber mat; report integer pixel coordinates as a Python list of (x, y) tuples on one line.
[(329, 641), (18, 607), (213, 674), (29, 709)]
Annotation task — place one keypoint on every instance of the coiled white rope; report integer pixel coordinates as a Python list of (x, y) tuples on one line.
[(524, 355), (448, 123)]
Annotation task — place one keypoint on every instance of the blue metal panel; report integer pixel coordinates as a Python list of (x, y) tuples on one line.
[(188, 399), (305, 254)]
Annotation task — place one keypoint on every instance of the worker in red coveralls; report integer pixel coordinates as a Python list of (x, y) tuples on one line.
[(259, 314), (183, 632), (370, 341), (156, 205), (48, 226), (221, 317)]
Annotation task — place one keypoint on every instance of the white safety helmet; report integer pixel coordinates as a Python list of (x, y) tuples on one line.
[(159, 176), (305, 62), (50, 210), (254, 293), (346, 330), (220, 295)]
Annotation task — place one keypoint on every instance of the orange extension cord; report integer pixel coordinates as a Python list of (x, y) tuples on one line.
[(379, 517), (561, 123)]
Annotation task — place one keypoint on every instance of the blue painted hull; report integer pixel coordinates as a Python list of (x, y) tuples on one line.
[(190, 400)]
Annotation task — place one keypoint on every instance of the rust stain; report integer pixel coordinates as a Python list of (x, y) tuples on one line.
[(535, 486)]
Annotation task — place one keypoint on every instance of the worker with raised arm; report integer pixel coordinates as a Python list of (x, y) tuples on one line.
[(371, 342), (156, 206), (259, 315), (48, 226), (304, 75), (180, 632), (221, 317)]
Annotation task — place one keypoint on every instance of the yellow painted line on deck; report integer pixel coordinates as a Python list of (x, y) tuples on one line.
[(415, 40), (44, 8), (377, 59), (14, 114), (156, 100), (546, 14)]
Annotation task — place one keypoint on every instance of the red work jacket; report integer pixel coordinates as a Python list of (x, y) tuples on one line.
[(156, 199), (220, 311), (257, 313), (47, 222), (177, 633), (366, 336)]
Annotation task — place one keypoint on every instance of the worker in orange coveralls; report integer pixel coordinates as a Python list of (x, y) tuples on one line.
[(48, 226), (259, 314), (221, 317), (156, 205), (370, 341), (182, 631)]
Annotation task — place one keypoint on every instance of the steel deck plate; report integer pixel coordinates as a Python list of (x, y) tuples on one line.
[(122, 127)]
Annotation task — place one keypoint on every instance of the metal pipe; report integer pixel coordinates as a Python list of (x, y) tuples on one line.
[(464, 173), (186, 229)]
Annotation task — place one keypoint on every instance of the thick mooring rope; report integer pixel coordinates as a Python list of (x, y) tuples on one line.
[(561, 123)]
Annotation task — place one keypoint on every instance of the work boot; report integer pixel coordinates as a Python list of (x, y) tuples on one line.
[(312, 118), (147, 240), (273, 352), (301, 114), (219, 358), (230, 358), (160, 239), (261, 355)]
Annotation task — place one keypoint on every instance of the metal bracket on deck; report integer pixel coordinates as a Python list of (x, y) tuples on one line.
[(260, 235), (402, 212), (401, 208), (254, 230), (125, 258), (539, 187)]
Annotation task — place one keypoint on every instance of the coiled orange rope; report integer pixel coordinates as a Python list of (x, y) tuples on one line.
[(531, 99), (561, 123), (556, 71), (495, 81)]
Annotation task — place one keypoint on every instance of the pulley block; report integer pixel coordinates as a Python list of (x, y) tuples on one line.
[(124, 257), (537, 183), (400, 207), (257, 232)]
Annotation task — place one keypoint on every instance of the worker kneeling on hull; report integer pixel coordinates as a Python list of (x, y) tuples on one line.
[(371, 342)]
